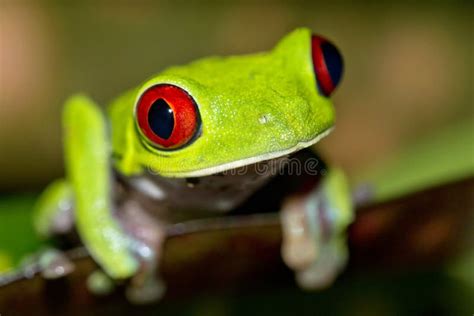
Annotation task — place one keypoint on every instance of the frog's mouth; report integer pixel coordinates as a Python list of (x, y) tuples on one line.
[(218, 192), (234, 165)]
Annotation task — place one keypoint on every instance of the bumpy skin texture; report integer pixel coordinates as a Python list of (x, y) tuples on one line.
[(252, 107)]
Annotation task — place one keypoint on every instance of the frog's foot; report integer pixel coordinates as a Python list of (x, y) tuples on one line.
[(148, 236), (323, 271), (145, 288), (99, 283), (54, 264), (310, 246)]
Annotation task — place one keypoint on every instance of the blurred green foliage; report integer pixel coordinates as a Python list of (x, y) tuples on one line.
[(440, 158), (17, 236)]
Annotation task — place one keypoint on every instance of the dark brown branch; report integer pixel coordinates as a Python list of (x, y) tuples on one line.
[(233, 253)]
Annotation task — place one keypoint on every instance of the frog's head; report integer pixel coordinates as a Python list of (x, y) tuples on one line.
[(220, 113)]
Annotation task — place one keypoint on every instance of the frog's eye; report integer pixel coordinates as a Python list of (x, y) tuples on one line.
[(167, 116), (327, 64)]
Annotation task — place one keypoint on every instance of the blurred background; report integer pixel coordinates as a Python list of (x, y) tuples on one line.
[(408, 66), (408, 77)]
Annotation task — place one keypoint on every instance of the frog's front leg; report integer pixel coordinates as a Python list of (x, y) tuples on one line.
[(147, 236), (148, 239), (121, 239), (313, 226), (89, 173)]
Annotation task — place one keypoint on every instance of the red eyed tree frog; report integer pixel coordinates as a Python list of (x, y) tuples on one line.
[(202, 139)]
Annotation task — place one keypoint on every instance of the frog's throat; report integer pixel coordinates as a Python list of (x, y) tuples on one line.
[(251, 160)]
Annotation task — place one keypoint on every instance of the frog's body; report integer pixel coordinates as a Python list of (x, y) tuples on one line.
[(199, 139)]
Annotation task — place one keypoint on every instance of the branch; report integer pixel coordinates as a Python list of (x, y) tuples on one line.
[(236, 253)]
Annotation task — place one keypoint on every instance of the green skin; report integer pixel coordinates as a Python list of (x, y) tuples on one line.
[(233, 93), (253, 108)]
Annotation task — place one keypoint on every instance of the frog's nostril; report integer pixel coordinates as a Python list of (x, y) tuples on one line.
[(263, 119)]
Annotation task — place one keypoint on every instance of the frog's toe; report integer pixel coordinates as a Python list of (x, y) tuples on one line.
[(312, 244), (299, 248), (99, 283), (146, 286), (323, 271), (147, 237), (54, 264), (151, 290)]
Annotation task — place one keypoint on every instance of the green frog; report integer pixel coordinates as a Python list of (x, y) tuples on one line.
[(214, 136)]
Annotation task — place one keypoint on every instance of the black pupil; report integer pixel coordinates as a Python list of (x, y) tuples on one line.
[(161, 119), (333, 61)]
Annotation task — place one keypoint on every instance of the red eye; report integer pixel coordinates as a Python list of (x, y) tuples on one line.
[(167, 116), (327, 63)]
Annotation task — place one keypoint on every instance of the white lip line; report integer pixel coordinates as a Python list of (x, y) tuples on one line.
[(249, 161)]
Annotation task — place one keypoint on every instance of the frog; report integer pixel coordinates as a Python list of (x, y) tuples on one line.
[(199, 140)]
